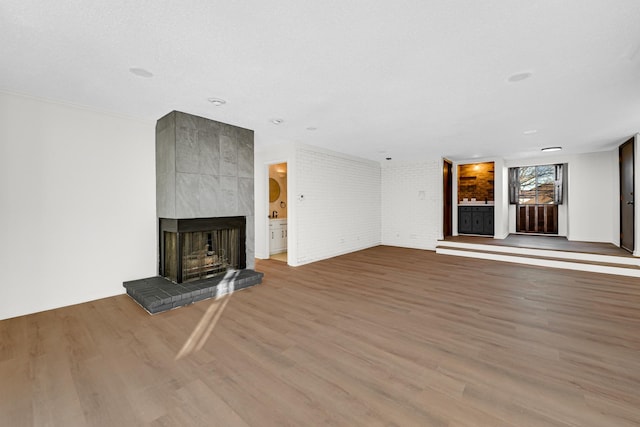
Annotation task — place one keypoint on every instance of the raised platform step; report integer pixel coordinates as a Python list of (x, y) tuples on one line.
[(157, 294), (581, 261)]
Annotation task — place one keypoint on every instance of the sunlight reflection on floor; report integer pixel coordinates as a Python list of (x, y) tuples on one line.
[(207, 323)]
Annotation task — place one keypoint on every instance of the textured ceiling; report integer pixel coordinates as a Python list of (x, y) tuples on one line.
[(406, 79)]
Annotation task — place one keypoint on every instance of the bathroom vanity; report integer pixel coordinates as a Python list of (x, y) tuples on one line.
[(277, 236)]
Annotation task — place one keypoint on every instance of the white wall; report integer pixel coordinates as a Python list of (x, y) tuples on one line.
[(77, 204), (501, 191), (412, 204), (337, 203), (594, 198)]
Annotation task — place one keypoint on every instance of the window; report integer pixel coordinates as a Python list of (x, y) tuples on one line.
[(536, 185)]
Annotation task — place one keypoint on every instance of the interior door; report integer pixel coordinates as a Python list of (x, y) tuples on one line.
[(447, 180), (626, 196)]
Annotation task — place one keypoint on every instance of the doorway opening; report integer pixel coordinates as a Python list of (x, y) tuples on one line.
[(278, 212)]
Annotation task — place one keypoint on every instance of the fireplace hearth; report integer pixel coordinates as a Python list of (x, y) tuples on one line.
[(199, 258)]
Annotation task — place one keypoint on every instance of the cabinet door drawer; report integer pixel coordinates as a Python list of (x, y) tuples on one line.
[(464, 222), (488, 223), (477, 225)]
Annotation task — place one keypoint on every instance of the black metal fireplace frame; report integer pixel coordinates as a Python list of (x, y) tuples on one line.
[(190, 225)]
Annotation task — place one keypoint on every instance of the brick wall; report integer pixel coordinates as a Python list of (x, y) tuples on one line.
[(476, 181), (338, 204), (412, 204)]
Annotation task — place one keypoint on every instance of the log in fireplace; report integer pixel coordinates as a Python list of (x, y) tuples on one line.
[(199, 248)]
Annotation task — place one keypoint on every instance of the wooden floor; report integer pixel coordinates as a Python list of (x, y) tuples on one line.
[(382, 337), (557, 243), (280, 257)]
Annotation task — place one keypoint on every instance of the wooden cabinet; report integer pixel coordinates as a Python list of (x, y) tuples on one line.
[(277, 236), (464, 219), (475, 220)]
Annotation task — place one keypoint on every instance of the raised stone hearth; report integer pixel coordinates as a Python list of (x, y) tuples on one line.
[(157, 294)]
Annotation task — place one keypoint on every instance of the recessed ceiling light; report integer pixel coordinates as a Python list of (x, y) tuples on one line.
[(549, 149), (217, 101), (276, 121), (141, 72), (530, 132), (312, 128), (517, 77)]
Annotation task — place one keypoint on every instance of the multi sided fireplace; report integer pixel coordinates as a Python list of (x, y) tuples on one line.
[(199, 248)]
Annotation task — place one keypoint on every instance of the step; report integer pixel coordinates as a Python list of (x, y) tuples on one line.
[(512, 250), (581, 261)]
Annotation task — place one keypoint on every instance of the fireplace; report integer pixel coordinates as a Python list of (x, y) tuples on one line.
[(205, 211), (200, 248)]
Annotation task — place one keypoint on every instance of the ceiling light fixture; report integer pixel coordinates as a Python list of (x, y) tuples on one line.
[(550, 149), (312, 128), (530, 132), (276, 121), (217, 101), (141, 72), (518, 77)]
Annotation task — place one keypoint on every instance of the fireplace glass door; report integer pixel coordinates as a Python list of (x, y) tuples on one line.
[(188, 254)]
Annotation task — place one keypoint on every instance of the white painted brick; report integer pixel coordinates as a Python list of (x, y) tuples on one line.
[(412, 204), (340, 209)]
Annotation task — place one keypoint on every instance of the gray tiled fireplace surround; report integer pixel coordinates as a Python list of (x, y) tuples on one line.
[(204, 169)]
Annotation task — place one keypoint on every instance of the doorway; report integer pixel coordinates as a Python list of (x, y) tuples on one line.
[(447, 184), (627, 222), (278, 212)]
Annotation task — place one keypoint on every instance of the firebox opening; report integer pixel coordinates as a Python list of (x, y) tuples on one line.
[(193, 249)]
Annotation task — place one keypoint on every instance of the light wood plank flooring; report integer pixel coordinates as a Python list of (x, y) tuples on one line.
[(381, 337), (279, 257)]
